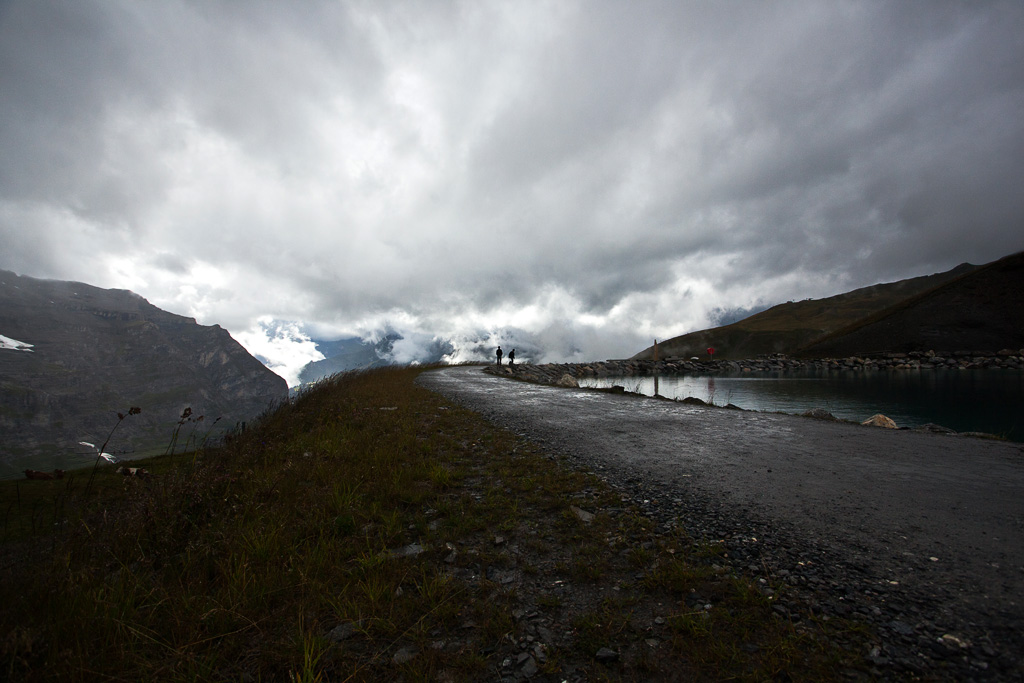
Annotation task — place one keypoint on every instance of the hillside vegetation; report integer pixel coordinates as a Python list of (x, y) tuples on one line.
[(370, 531), (982, 310), (790, 326)]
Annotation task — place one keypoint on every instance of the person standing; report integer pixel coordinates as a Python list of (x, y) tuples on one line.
[(512, 357), (498, 354)]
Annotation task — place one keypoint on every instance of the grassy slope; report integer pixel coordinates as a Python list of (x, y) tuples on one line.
[(979, 310), (790, 326), (239, 563)]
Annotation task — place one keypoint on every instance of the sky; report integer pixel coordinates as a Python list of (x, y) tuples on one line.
[(575, 178)]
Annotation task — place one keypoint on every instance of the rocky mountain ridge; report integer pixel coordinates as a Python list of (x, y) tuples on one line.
[(96, 352)]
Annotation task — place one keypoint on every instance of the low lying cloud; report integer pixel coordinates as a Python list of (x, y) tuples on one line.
[(589, 175), (281, 346)]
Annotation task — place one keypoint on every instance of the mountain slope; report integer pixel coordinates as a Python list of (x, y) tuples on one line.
[(344, 355), (96, 352), (347, 354), (791, 326), (982, 310)]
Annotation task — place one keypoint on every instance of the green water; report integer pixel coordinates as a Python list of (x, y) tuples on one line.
[(989, 401)]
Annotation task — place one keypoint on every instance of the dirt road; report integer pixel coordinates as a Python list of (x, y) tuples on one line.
[(932, 523)]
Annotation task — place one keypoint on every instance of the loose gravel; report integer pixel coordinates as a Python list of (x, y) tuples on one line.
[(918, 535)]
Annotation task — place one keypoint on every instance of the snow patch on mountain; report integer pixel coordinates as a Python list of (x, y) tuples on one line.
[(14, 344)]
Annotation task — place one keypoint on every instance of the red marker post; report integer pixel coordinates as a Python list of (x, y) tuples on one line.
[(711, 352)]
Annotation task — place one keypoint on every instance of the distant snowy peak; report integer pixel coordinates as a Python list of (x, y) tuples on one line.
[(14, 344)]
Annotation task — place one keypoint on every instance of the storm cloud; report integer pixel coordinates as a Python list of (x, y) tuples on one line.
[(586, 174)]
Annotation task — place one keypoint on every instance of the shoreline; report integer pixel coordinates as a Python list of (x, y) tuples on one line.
[(551, 373), (573, 374)]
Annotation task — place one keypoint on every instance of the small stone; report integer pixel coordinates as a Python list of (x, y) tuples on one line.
[(606, 655), (953, 643), (879, 420), (405, 655), (876, 657), (567, 381), (343, 631), (901, 628), (410, 550), (583, 515)]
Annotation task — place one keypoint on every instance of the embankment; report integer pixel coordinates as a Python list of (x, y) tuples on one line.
[(551, 373)]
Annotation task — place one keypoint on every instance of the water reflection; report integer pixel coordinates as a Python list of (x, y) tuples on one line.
[(984, 400)]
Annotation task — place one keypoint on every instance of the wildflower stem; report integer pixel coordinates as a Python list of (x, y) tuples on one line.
[(103, 449)]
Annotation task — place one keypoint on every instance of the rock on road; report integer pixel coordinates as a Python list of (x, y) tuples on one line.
[(934, 518)]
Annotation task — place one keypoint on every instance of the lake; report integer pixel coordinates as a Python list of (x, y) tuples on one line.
[(989, 401)]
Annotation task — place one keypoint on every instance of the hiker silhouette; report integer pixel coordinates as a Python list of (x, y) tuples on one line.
[(498, 354), (512, 357)]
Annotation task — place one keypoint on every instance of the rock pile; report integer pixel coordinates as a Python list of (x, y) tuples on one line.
[(553, 373)]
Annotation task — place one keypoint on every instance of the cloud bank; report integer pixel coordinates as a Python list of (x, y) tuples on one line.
[(593, 175)]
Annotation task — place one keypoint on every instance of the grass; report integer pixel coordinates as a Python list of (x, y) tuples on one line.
[(369, 530)]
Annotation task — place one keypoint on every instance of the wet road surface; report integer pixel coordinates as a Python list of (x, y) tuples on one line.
[(915, 509)]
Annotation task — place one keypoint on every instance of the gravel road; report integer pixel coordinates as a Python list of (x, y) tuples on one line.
[(920, 534)]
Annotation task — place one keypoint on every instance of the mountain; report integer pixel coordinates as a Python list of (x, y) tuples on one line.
[(344, 355), (788, 327), (88, 353), (981, 310)]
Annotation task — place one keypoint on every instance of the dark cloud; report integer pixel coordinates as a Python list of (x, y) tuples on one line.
[(577, 172), (177, 264)]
